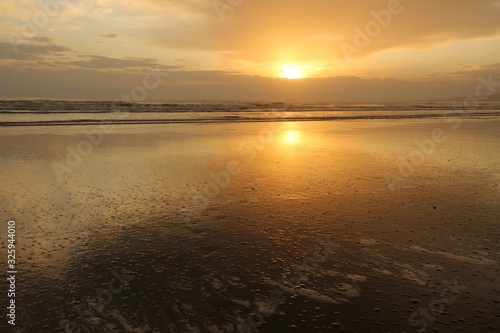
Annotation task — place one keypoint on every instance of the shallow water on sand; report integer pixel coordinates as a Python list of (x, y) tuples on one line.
[(365, 226)]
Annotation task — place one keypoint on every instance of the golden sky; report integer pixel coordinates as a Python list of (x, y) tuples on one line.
[(242, 49)]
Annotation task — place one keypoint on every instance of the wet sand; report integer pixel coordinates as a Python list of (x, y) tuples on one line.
[(350, 226)]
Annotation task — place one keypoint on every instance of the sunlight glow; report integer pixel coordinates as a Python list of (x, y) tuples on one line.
[(291, 72), (292, 137)]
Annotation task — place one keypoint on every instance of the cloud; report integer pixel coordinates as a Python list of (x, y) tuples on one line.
[(111, 36), (25, 51), (220, 85), (101, 62), (134, 10), (41, 39), (267, 30), (256, 37), (474, 72), (492, 66), (279, 30), (314, 30)]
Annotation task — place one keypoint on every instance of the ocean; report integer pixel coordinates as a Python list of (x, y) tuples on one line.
[(228, 225), (65, 112)]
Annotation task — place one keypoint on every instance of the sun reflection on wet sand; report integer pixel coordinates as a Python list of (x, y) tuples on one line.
[(292, 137), (300, 182)]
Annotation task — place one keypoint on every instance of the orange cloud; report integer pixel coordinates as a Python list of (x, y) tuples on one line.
[(265, 30)]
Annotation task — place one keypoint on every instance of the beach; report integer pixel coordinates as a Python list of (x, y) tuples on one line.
[(322, 226)]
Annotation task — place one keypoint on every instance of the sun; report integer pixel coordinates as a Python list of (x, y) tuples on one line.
[(291, 72)]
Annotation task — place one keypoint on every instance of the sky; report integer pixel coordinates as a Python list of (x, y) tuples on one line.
[(327, 50)]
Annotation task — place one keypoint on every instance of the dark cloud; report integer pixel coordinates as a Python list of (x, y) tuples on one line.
[(474, 72), (494, 66), (101, 62), (41, 39), (111, 36), (14, 51), (219, 85)]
